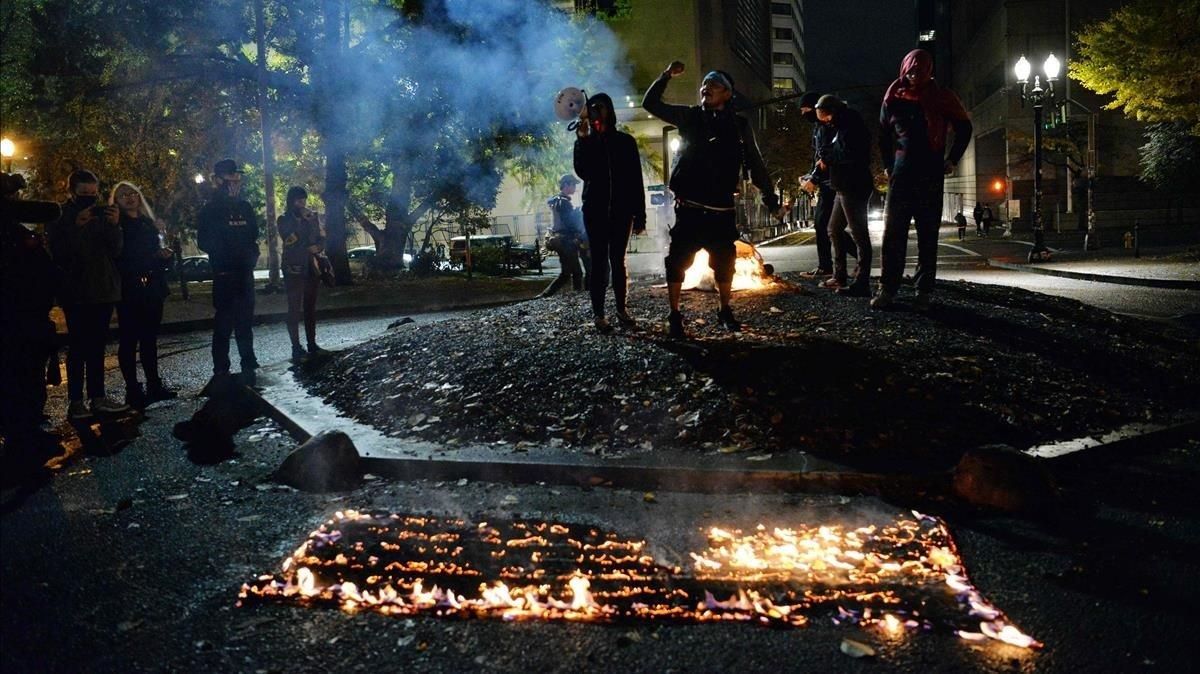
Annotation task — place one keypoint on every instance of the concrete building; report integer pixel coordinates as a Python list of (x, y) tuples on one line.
[(787, 47)]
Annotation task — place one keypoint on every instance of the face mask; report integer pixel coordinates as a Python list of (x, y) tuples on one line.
[(85, 202)]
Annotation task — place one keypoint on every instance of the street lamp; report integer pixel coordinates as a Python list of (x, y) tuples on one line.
[(199, 178), (7, 150), (1038, 97)]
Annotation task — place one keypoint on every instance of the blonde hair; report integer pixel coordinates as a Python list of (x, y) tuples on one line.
[(143, 205)]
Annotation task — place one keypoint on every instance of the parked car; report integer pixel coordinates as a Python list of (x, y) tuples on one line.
[(519, 255), (361, 256), (196, 268)]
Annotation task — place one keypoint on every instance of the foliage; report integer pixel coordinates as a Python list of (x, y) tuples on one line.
[(1170, 158), (1147, 55)]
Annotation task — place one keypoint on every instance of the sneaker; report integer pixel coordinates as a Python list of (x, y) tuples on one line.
[(726, 319), (77, 410), (855, 290), (923, 300), (106, 405), (833, 283), (816, 273), (298, 353), (626, 320), (603, 326), (135, 397), (675, 325), (884, 299)]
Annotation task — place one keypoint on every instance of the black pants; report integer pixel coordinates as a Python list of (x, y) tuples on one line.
[(87, 330), (699, 229), (25, 343), (920, 200), (302, 299), (608, 242), (850, 212), (821, 215), (140, 318), (233, 299), (571, 271)]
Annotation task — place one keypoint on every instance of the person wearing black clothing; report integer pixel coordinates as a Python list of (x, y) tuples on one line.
[(977, 214), (988, 219), (567, 236), (817, 184), (303, 240), (614, 202), (717, 145), (961, 221), (85, 243), (916, 115), (143, 264), (848, 161), (227, 229)]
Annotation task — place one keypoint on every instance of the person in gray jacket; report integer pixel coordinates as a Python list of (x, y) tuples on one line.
[(85, 243), (303, 241)]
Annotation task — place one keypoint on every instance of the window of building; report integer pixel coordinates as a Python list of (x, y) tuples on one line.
[(783, 58), (784, 8), (784, 84), (750, 36), (783, 33)]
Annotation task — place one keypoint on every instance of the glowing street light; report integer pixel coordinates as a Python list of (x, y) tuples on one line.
[(1038, 97), (7, 150), (199, 178)]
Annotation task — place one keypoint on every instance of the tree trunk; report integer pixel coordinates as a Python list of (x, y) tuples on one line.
[(268, 150), (333, 134)]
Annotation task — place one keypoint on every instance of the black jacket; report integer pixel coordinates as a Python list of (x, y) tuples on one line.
[(297, 234), (716, 146), (227, 230), (87, 256), (849, 155), (611, 168), (822, 136), (143, 272)]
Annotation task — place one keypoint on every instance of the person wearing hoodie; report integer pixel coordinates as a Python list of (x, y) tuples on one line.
[(144, 262), (567, 236), (718, 145), (303, 240), (227, 229), (614, 202), (817, 184), (85, 243), (917, 115), (848, 161)]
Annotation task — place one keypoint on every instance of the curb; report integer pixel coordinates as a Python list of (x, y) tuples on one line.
[(1172, 284)]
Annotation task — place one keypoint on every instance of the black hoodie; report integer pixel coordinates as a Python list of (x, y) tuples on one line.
[(611, 169)]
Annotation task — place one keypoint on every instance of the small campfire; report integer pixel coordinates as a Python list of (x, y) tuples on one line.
[(895, 578), (748, 272)]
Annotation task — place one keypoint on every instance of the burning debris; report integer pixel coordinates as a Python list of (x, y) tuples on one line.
[(749, 272), (894, 577)]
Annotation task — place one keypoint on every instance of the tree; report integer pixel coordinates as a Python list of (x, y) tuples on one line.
[(1170, 158), (1147, 55)]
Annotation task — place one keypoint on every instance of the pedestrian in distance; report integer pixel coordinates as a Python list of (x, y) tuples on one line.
[(717, 145), (85, 243), (978, 215), (144, 264), (848, 163), (961, 221), (988, 219), (567, 236), (614, 203), (303, 245), (816, 184), (227, 229), (917, 116)]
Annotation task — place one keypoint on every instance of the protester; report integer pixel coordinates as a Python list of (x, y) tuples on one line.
[(916, 115), (848, 162), (961, 221), (717, 145), (144, 263), (28, 279), (227, 229), (85, 243), (567, 236), (977, 214), (614, 202), (303, 242), (988, 219), (816, 184)]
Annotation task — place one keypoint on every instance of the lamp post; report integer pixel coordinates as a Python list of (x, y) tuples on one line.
[(1037, 97), (7, 150)]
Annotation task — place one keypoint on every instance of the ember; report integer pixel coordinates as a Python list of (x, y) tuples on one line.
[(901, 576)]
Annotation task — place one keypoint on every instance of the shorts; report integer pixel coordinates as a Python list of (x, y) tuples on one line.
[(699, 229)]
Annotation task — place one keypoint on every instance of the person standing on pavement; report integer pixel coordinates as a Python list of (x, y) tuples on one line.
[(977, 214), (916, 115), (961, 221), (816, 184), (988, 219), (614, 202), (848, 162), (717, 146), (566, 236), (85, 243), (144, 263), (227, 229), (303, 240)]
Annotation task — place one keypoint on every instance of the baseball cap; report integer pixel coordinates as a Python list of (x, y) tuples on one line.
[(829, 102), (226, 166)]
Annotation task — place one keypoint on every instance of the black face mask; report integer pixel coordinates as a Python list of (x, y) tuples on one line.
[(810, 116), (85, 201)]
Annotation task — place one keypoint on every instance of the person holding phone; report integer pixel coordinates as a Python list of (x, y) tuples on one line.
[(85, 243), (303, 240)]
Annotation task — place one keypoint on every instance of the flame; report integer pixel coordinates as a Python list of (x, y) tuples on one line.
[(748, 272)]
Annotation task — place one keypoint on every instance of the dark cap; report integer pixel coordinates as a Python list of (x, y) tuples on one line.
[(829, 102), (568, 179), (225, 167), (809, 99)]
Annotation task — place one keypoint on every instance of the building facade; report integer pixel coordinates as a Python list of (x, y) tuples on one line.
[(787, 48)]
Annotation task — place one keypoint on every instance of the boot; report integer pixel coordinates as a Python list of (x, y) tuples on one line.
[(675, 325), (135, 397), (156, 390), (726, 319)]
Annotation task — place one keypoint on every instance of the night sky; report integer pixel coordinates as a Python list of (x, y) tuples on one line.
[(851, 44)]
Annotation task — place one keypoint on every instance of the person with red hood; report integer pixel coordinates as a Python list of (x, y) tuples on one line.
[(916, 116)]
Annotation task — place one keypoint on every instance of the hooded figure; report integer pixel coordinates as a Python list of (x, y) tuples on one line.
[(916, 115), (614, 203), (818, 183)]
